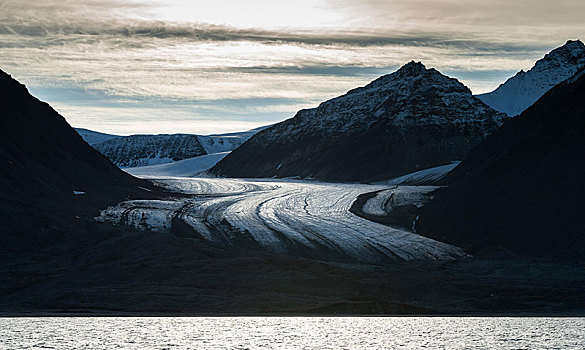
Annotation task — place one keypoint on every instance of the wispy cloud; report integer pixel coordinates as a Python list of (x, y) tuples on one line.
[(188, 61)]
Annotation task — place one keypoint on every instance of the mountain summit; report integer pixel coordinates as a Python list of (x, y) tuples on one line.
[(411, 119), (523, 89)]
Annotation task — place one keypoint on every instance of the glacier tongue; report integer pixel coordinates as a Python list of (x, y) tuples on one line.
[(280, 216)]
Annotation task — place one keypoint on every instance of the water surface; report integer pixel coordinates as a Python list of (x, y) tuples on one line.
[(291, 333)]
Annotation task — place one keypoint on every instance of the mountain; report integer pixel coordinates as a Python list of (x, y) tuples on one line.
[(93, 137), (402, 122), (56, 260), (51, 180), (522, 189), (140, 150), (523, 89), (147, 150)]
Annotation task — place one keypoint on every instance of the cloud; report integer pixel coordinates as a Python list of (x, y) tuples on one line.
[(123, 121), (56, 32), (372, 23), (132, 60)]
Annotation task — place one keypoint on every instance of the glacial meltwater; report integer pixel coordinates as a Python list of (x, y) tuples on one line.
[(291, 333)]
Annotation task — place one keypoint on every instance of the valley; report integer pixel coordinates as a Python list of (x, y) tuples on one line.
[(407, 195)]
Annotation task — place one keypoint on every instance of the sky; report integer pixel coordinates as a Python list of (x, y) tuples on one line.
[(189, 66)]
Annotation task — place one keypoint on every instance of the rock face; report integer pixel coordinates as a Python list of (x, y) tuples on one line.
[(409, 120), (49, 175), (525, 88), (522, 189), (141, 150)]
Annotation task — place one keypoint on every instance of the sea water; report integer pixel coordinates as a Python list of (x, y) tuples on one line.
[(292, 333)]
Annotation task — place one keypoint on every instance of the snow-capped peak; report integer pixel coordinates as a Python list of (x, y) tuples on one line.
[(413, 94), (412, 68), (573, 48), (407, 75), (566, 56), (401, 122), (524, 88)]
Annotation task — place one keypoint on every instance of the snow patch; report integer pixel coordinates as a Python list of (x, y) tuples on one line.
[(187, 167), (422, 177), (94, 137)]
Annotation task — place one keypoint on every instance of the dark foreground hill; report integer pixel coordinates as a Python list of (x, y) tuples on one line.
[(522, 189), (412, 119), (50, 179)]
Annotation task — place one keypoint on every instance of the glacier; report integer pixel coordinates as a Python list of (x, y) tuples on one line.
[(280, 216)]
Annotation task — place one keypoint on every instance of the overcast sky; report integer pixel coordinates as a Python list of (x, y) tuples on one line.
[(147, 66)]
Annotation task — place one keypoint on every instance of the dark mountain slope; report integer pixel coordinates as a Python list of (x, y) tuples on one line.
[(409, 120), (43, 162), (523, 188)]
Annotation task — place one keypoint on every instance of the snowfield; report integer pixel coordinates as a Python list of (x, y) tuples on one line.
[(282, 216), (186, 167), (422, 177)]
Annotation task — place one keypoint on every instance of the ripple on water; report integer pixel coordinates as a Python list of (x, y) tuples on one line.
[(291, 332)]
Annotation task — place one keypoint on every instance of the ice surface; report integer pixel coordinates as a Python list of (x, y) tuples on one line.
[(387, 200), (280, 216)]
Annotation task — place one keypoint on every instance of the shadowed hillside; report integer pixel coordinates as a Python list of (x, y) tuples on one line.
[(522, 189)]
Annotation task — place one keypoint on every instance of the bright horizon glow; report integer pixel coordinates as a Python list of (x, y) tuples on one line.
[(137, 66), (267, 14)]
